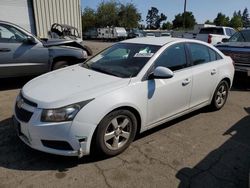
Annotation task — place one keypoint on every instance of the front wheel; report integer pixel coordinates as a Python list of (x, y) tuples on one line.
[(220, 95), (115, 132), (60, 64)]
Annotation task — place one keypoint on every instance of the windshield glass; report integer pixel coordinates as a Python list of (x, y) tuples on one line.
[(122, 60), (241, 36)]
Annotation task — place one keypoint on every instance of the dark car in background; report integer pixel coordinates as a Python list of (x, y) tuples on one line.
[(22, 54), (238, 48)]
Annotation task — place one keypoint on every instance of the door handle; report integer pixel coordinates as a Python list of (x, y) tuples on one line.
[(213, 72), (186, 82), (5, 49)]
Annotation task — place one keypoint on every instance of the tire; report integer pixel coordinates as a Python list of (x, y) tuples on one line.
[(60, 64), (115, 132), (220, 95)]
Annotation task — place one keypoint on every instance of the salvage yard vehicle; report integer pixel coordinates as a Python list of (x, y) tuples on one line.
[(70, 33), (112, 33), (127, 89), (22, 54), (211, 35), (238, 48)]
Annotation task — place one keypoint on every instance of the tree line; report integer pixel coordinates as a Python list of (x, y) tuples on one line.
[(238, 20), (112, 13)]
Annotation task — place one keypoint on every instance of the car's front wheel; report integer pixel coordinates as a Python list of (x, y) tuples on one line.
[(220, 95), (60, 64), (115, 132)]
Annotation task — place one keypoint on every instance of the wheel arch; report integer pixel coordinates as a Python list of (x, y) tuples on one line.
[(70, 59), (126, 107)]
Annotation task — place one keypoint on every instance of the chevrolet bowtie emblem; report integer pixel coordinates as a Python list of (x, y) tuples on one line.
[(20, 103)]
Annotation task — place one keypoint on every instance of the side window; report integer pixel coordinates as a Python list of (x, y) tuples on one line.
[(174, 58), (228, 32), (199, 53), (9, 34), (232, 32), (214, 55)]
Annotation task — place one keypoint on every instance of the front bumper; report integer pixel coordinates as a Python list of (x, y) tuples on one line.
[(63, 138)]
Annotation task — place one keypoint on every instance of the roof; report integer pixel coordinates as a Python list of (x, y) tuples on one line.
[(160, 41)]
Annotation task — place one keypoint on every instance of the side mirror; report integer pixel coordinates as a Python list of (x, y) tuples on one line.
[(30, 40), (225, 40), (162, 73)]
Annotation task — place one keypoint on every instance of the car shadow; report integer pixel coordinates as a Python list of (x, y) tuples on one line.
[(16, 155), (14, 83), (226, 166)]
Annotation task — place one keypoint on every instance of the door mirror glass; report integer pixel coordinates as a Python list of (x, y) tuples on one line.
[(162, 73)]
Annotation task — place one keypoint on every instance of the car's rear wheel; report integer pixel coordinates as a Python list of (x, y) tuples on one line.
[(115, 132), (60, 64), (220, 95)]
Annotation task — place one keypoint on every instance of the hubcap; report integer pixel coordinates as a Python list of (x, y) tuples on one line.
[(118, 132), (221, 95)]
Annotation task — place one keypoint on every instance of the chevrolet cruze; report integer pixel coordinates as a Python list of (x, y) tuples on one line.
[(126, 89)]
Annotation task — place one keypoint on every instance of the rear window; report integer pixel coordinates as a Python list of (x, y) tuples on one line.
[(212, 30)]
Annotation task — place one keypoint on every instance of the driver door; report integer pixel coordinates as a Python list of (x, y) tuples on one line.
[(169, 97), (19, 58)]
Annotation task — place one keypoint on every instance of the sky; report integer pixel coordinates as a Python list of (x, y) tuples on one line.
[(202, 9)]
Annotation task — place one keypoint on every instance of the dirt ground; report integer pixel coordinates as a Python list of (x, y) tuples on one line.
[(202, 149)]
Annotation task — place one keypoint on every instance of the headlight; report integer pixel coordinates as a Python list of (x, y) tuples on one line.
[(84, 54), (66, 113)]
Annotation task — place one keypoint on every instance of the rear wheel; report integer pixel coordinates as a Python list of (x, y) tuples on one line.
[(220, 95), (60, 64), (115, 132)]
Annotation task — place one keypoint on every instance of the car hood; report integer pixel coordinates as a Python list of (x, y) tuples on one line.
[(234, 45), (70, 85), (63, 42)]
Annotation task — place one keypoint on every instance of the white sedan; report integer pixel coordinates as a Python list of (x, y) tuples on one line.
[(128, 88)]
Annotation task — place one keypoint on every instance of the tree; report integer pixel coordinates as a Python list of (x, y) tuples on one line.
[(167, 26), (88, 19), (128, 16), (209, 22), (222, 20), (189, 20), (236, 22), (245, 18), (154, 19), (239, 13), (107, 14)]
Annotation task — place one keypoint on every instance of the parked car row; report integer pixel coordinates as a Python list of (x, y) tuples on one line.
[(119, 33)]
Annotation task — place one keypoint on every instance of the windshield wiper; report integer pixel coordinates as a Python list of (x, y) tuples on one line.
[(86, 65), (103, 71)]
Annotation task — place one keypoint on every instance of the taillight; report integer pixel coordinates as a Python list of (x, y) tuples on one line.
[(209, 39)]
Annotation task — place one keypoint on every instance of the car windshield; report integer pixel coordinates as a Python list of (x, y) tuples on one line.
[(123, 59), (241, 36)]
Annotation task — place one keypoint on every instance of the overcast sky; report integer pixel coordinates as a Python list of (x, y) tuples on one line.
[(202, 9)]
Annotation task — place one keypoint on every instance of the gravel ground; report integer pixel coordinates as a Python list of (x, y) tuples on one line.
[(202, 149)]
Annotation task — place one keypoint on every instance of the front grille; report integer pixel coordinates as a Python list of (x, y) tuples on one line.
[(59, 145), (22, 114)]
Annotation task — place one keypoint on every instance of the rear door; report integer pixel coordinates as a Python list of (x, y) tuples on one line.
[(19, 58), (205, 63)]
